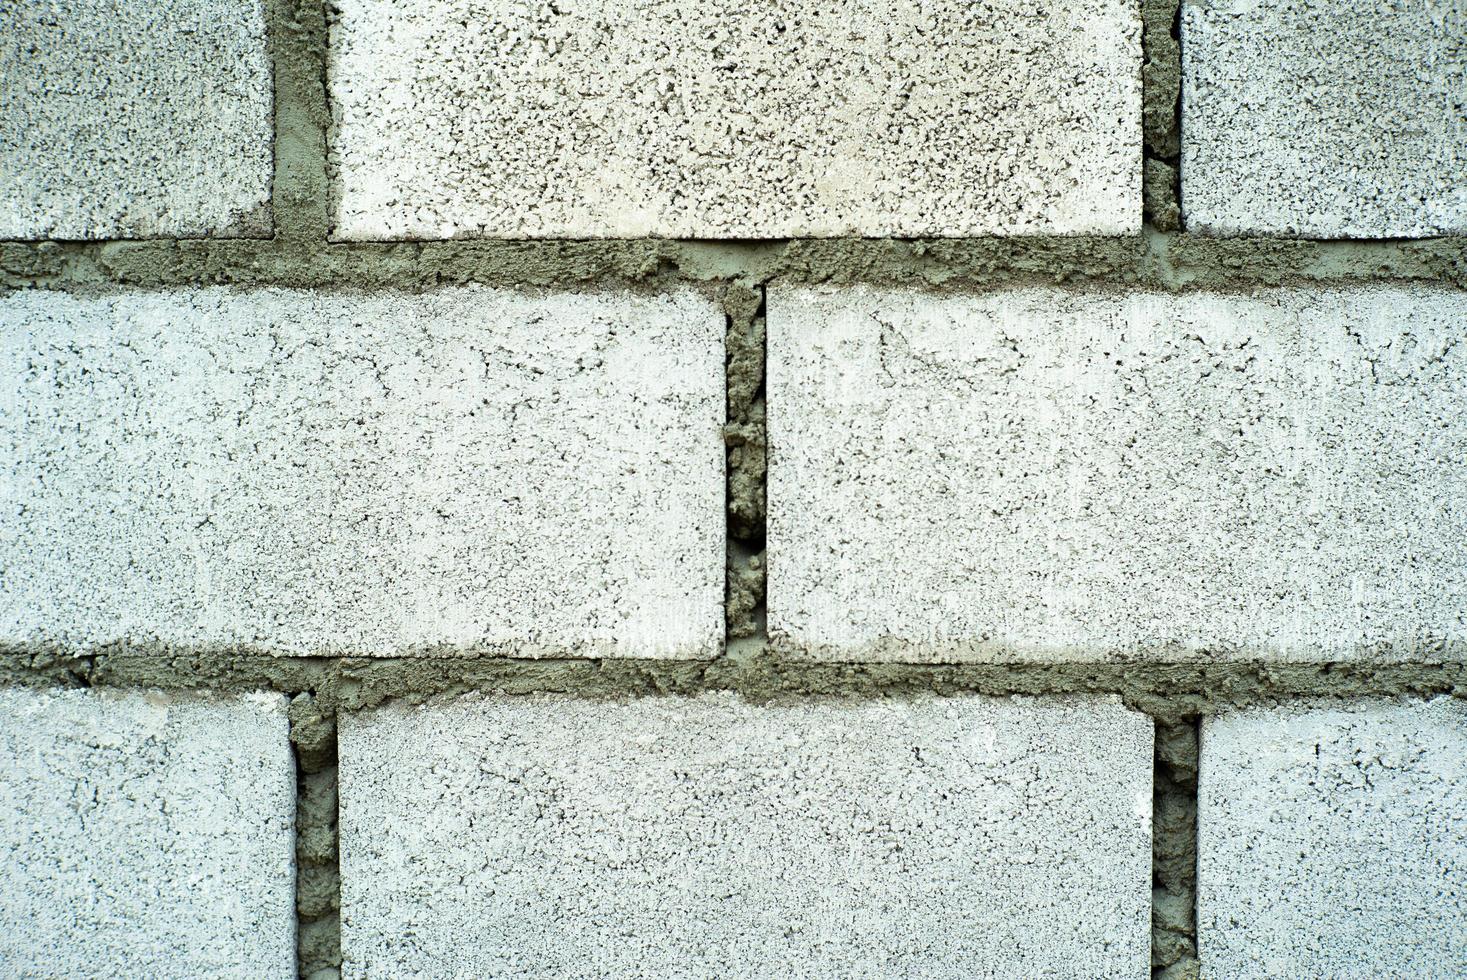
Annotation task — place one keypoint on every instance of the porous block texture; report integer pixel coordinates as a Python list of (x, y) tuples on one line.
[(1042, 474), (1333, 841), (460, 470), (135, 119), (627, 118), (710, 837), (1324, 118), (146, 835)]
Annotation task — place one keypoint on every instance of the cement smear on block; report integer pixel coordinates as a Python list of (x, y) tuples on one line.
[(673, 836)]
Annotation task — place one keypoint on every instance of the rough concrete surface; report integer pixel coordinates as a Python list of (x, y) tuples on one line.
[(725, 119), (1325, 118), (1048, 474), (134, 119), (1152, 260), (145, 835), (1333, 840), (542, 836), (1161, 73), (330, 472)]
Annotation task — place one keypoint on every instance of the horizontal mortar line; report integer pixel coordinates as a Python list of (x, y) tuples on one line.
[(1168, 688), (292, 244), (1167, 262)]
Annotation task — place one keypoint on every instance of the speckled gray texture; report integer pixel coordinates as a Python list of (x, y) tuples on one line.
[(587, 118), (710, 837), (134, 118), (146, 835), (1324, 118), (466, 469), (1051, 475), (1333, 840)]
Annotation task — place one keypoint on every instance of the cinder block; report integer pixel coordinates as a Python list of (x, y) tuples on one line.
[(134, 119), (1324, 118), (1333, 840), (146, 835), (1042, 474), (329, 472), (628, 118), (516, 836)]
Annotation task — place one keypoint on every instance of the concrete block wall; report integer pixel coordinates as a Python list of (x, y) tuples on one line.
[(618, 489)]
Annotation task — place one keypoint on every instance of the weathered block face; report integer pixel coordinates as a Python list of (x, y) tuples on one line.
[(691, 836), (735, 120), (1324, 118), (462, 470), (1042, 475), (1333, 840), (135, 119), (146, 835)]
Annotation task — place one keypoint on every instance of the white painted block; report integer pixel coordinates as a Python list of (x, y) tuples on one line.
[(146, 835), (665, 837), (629, 118), (135, 119), (312, 472), (1044, 474), (1324, 118), (1333, 840)]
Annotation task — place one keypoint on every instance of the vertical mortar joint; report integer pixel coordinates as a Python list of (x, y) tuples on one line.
[(1174, 850), (1161, 90), (318, 877), (746, 442), (299, 197)]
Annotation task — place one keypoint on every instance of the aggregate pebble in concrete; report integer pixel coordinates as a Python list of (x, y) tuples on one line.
[(146, 835), (1333, 840), (315, 472), (540, 836), (135, 119), (728, 119), (1043, 474), (1324, 118)]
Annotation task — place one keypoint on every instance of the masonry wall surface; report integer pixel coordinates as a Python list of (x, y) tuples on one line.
[(675, 836), (464, 470), (1333, 840), (146, 834), (1049, 474), (721, 119), (343, 363)]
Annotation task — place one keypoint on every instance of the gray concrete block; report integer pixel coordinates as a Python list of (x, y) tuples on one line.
[(517, 836), (146, 835), (1333, 840), (1324, 118), (728, 119), (1044, 474), (464, 469), (135, 119)]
